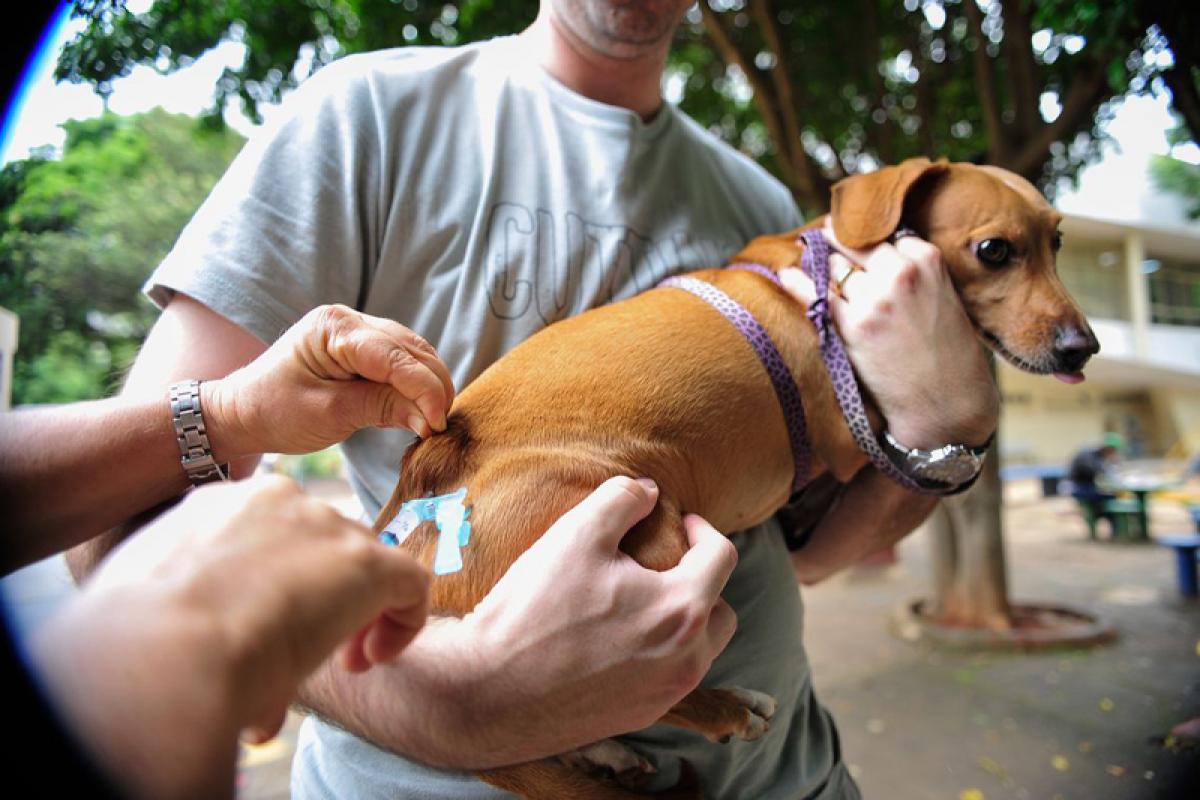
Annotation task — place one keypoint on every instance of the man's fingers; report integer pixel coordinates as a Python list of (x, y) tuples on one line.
[(344, 344), (390, 634), (403, 584), (607, 514), (351, 654), (419, 347), (890, 258), (880, 262), (385, 361), (380, 404), (857, 256), (395, 591), (917, 250), (710, 558), (266, 729)]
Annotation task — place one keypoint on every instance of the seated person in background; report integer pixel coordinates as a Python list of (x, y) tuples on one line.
[(1088, 465)]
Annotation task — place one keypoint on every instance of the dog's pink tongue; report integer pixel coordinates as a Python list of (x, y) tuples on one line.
[(1069, 377)]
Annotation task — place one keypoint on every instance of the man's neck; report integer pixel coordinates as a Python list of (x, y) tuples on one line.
[(634, 82)]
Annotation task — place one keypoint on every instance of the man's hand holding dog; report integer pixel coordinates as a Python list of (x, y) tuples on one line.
[(534, 669), (910, 341), (914, 348), (620, 630)]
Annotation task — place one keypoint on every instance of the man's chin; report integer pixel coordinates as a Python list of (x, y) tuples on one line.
[(626, 30)]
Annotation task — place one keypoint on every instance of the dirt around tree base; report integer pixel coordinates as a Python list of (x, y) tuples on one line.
[(1033, 627)]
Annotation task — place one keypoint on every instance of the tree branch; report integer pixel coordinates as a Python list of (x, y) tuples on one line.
[(789, 96), (1179, 28), (1078, 109), (767, 104), (925, 90), (879, 133), (986, 87), (1184, 97), (1022, 69)]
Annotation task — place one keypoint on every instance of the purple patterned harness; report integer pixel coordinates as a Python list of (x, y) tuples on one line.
[(815, 263)]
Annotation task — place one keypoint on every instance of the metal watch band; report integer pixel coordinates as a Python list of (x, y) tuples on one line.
[(195, 453)]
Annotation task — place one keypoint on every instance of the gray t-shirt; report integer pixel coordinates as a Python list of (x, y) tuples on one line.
[(468, 195)]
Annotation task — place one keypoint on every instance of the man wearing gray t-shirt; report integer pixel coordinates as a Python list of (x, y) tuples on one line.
[(475, 195)]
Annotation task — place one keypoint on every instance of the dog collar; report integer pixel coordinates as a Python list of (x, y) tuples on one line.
[(758, 338), (815, 263)]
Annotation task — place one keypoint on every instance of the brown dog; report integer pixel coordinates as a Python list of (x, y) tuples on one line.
[(626, 390)]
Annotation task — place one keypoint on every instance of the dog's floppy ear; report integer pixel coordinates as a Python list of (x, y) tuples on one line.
[(867, 208)]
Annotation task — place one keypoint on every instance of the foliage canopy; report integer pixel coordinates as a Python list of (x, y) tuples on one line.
[(813, 90), (79, 234)]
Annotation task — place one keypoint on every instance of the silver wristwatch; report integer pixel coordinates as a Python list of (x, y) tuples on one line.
[(949, 469), (194, 450)]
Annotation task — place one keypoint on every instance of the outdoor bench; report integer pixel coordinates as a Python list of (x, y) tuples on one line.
[(1186, 546)]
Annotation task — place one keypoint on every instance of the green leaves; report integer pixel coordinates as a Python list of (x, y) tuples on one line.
[(819, 90), (285, 40), (1180, 177), (79, 235)]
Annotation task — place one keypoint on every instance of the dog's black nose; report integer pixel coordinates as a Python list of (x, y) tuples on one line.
[(1073, 346)]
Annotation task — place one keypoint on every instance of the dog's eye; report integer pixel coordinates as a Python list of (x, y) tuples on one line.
[(993, 251), (1056, 244)]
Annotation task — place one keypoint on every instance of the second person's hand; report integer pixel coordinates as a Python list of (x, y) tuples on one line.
[(332, 373)]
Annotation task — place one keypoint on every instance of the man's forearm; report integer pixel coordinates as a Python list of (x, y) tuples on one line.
[(422, 705), (69, 473), (873, 513), (405, 707), (440, 703)]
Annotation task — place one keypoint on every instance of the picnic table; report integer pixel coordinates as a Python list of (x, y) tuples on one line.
[(1141, 486)]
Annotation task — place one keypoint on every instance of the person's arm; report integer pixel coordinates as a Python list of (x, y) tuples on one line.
[(534, 669), (204, 623), (69, 473), (918, 356), (873, 512)]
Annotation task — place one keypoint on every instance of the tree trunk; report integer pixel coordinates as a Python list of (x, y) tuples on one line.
[(969, 574)]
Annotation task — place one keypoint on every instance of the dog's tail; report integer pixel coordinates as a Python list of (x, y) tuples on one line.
[(431, 466)]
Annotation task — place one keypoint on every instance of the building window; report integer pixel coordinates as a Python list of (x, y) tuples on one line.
[(1174, 292)]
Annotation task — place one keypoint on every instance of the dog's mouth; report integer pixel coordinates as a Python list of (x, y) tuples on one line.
[(1037, 368)]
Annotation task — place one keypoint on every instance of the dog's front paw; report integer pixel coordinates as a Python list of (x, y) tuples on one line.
[(612, 759)]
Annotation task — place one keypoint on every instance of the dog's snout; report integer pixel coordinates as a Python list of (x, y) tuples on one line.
[(1073, 346)]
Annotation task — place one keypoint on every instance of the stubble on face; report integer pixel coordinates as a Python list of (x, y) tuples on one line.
[(622, 28)]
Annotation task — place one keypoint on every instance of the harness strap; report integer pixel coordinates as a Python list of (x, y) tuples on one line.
[(781, 377), (815, 263)]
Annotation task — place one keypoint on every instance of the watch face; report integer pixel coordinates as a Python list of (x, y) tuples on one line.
[(952, 468), (949, 466)]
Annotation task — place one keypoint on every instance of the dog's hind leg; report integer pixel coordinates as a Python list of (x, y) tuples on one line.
[(721, 714), (552, 779)]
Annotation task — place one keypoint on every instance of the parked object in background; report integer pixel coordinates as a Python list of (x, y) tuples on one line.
[(1186, 547)]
